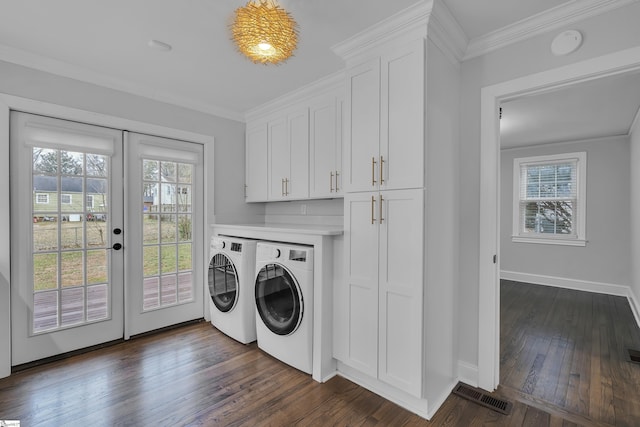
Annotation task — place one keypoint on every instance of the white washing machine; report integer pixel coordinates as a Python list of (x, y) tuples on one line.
[(231, 273), (284, 303)]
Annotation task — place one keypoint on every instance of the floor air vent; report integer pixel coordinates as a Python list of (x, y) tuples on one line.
[(634, 356), (482, 398)]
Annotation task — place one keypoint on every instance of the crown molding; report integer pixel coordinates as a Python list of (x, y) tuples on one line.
[(323, 86), (410, 22), (446, 33), (64, 69), (552, 19)]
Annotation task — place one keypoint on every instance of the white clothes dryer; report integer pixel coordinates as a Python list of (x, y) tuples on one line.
[(284, 303), (230, 279)]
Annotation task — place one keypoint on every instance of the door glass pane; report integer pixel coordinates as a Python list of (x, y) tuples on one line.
[(70, 238), (167, 233)]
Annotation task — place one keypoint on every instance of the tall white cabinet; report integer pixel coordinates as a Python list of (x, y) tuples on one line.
[(394, 311)]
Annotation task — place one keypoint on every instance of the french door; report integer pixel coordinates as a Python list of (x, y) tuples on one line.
[(164, 218), (77, 277)]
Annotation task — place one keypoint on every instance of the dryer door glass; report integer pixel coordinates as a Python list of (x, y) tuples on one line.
[(278, 299), (223, 282)]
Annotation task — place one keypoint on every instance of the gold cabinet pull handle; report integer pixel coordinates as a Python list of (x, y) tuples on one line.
[(381, 200), (373, 202), (381, 175), (286, 186), (331, 182), (282, 187), (337, 181), (373, 171)]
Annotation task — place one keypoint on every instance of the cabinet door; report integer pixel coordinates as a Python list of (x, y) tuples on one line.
[(279, 158), (401, 288), (362, 127), (324, 134), (357, 297), (402, 117), (297, 181), (256, 164)]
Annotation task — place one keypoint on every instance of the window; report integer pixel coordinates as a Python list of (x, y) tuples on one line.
[(549, 195), (89, 201), (65, 199), (42, 198)]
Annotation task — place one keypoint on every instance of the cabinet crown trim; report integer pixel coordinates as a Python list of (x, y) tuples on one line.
[(412, 20), (303, 95)]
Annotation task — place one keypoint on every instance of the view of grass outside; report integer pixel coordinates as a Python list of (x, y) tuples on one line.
[(45, 265)]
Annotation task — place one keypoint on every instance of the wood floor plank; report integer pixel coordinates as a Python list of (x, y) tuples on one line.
[(565, 363)]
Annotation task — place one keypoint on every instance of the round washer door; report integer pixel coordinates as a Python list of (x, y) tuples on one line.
[(278, 299), (223, 282)]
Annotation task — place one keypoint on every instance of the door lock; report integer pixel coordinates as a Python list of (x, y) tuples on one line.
[(117, 231), (117, 246)]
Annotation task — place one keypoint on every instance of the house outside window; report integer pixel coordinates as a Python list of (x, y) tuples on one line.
[(89, 201), (65, 199), (42, 198), (549, 194)]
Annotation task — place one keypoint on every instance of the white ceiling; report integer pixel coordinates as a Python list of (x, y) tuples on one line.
[(105, 42), (597, 108)]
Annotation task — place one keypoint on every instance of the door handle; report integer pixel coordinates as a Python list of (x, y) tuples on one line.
[(337, 181), (373, 171), (373, 202), (286, 186), (381, 200), (381, 175), (331, 182), (282, 186)]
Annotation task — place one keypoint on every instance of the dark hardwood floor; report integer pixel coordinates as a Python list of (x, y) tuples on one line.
[(559, 366), (566, 351)]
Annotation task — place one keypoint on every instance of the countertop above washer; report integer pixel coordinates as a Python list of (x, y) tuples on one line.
[(314, 229)]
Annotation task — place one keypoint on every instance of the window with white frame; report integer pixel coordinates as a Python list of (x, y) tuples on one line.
[(65, 199), (549, 194), (42, 198), (89, 201)]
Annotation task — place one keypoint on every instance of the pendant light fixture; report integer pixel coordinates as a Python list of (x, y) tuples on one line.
[(264, 32)]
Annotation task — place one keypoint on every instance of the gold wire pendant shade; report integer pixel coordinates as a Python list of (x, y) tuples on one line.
[(264, 32)]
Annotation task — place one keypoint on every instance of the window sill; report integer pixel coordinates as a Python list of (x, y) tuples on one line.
[(549, 241)]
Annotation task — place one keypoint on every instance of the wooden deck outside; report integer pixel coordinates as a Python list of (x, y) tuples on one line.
[(73, 301)]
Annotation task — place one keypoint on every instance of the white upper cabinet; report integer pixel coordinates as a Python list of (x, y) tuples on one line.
[(362, 127), (294, 146), (289, 156), (256, 163), (325, 145), (384, 134), (297, 185)]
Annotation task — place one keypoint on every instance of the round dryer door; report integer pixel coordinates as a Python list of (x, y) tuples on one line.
[(278, 299), (223, 282)]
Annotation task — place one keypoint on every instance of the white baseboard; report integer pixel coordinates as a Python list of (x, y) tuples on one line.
[(468, 373), (414, 404), (579, 285), (634, 302)]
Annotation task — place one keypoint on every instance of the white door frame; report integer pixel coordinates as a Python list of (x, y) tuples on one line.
[(10, 102), (489, 277)]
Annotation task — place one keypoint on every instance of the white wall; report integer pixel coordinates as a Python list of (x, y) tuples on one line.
[(610, 32), (321, 212), (605, 259), (635, 214), (227, 205)]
